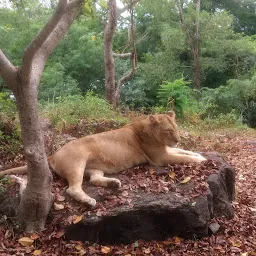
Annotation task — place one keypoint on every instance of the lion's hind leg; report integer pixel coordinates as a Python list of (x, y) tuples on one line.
[(75, 189), (97, 178)]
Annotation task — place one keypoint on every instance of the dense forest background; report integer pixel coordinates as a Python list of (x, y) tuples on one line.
[(198, 57)]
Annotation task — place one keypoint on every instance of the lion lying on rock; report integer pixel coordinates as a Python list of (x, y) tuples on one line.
[(151, 140)]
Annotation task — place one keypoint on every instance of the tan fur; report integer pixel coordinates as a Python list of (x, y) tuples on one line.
[(151, 140)]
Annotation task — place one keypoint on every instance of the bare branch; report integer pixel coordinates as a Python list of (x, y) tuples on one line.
[(184, 26), (122, 55), (127, 7), (130, 74), (40, 38), (109, 31), (7, 71), (74, 4)]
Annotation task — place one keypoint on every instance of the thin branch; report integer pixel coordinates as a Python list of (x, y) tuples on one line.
[(184, 26), (130, 74), (7, 71), (127, 7), (133, 57), (122, 55), (40, 38)]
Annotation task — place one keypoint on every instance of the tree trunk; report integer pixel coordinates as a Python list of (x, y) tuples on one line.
[(37, 199), (113, 91), (108, 51)]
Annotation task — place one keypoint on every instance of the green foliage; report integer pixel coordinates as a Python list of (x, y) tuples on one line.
[(69, 110), (7, 105), (3, 182), (176, 95), (55, 83), (134, 94), (9, 128), (238, 96), (221, 121)]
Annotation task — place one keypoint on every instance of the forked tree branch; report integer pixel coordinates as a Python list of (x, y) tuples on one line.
[(7, 71), (49, 37), (52, 41), (40, 38)]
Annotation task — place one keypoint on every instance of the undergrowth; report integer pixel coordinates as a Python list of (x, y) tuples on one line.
[(69, 110), (10, 135)]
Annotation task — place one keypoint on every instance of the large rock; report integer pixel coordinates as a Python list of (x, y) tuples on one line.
[(154, 212)]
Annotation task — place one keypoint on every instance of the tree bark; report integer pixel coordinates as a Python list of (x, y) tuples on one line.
[(108, 51), (36, 200)]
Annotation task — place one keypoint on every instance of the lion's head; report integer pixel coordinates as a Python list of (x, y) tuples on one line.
[(164, 128)]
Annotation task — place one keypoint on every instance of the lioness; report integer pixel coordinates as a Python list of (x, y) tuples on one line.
[(151, 140)]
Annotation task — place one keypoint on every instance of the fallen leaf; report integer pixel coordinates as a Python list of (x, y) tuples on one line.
[(147, 251), (37, 252), (34, 236), (186, 180), (125, 193), (79, 247), (26, 241), (105, 249), (236, 243), (60, 198), (252, 209), (58, 207), (152, 171), (77, 218), (177, 240), (172, 175), (60, 233)]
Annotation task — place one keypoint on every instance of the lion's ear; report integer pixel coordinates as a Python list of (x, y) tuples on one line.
[(153, 120), (171, 114)]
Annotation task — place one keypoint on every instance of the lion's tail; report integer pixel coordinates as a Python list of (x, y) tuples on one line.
[(16, 170)]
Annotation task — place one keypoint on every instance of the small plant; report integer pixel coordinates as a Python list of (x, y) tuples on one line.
[(176, 95)]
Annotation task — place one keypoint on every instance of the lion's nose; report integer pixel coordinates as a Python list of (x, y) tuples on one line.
[(177, 138)]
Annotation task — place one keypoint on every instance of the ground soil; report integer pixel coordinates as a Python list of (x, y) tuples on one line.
[(235, 237)]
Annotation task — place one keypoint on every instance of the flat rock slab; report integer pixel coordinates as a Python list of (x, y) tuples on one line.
[(157, 203)]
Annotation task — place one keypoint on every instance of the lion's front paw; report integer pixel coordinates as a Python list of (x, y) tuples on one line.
[(91, 202), (114, 183)]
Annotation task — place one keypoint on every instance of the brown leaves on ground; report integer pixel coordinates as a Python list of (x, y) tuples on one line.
[(235, 237)]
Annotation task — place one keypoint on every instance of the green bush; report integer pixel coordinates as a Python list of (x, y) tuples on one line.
[(69, 110), (238, 96), (9, 128), (55, 83), (178, 96)]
